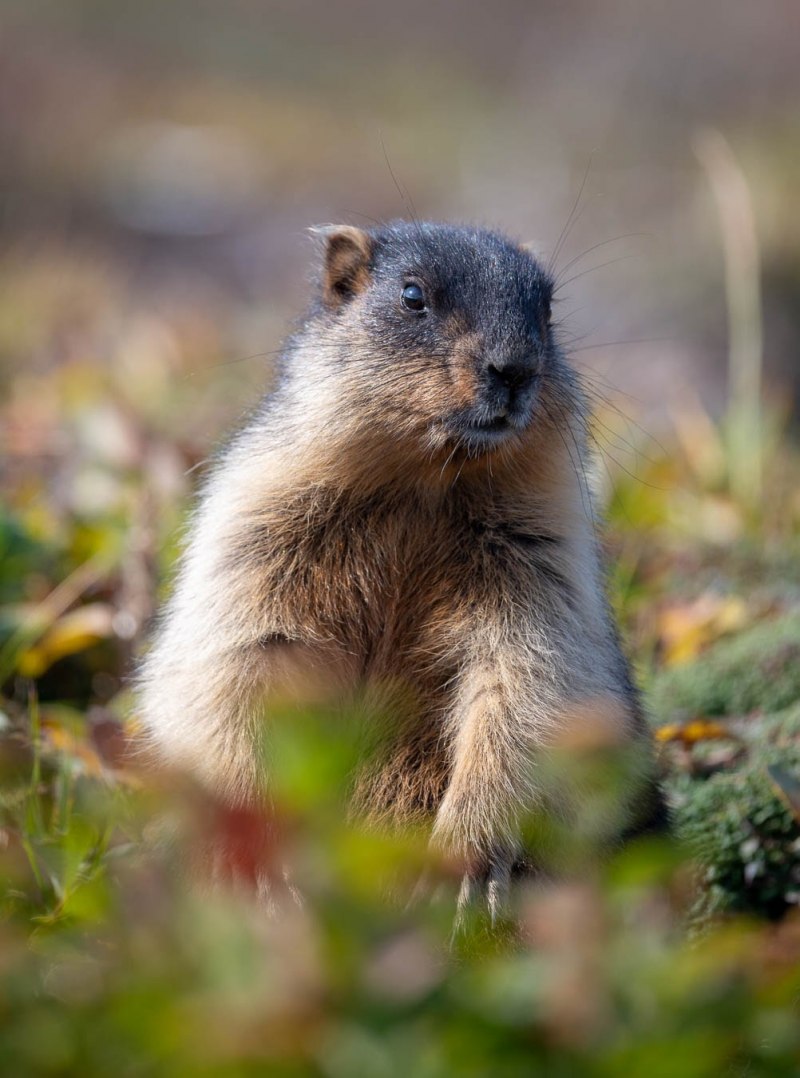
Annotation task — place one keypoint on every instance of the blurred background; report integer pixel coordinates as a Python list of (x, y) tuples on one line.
[(160, 164)]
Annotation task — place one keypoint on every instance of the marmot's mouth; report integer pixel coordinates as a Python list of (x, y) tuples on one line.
[(474, 435), (491, 426), (483, 436)]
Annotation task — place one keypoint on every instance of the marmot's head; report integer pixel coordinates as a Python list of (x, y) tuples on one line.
[(441, 334)]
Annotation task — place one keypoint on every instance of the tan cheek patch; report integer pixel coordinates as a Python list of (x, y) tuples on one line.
[(429, 387), (463, 371)]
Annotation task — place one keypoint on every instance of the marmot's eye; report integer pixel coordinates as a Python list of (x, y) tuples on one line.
[(413, 298)]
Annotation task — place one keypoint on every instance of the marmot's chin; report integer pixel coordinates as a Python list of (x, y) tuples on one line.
[(477, 436)]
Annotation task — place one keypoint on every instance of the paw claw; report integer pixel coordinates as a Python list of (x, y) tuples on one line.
[(498, 886), (487, 890)]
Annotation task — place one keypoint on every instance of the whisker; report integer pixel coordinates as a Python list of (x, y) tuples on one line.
[(603, 243), (232, 362), (404, 195), (615, 344), (597, 394), (364, 217), (593, 269), (625, 446), (631, 475), (575, 463), (568, 224)]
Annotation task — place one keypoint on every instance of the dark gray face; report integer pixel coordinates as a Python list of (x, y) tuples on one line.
[(462, 312)]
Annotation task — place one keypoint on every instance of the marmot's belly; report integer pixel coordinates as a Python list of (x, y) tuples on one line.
[(400, 667)]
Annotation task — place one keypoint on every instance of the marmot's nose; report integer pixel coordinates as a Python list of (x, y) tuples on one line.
[(513, 375), (506, 380)]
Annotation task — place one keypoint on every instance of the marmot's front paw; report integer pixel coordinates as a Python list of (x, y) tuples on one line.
[(485, 889)]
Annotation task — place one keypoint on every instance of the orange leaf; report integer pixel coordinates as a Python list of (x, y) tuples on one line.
[(695, 730), (61, 739)]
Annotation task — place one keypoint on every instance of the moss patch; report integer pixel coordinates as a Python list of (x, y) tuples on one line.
[(758, 669), (743, 834), (725, 804)]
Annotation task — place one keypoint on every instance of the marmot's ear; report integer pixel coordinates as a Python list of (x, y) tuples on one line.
[(348, 253)]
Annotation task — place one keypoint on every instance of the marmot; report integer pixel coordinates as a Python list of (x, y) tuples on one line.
[(407, 510)]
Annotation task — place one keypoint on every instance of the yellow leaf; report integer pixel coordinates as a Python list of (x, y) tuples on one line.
[(71, 633), (686, 629)]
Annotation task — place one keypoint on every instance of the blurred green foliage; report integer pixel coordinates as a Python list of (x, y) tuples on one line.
[(111, 961)]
